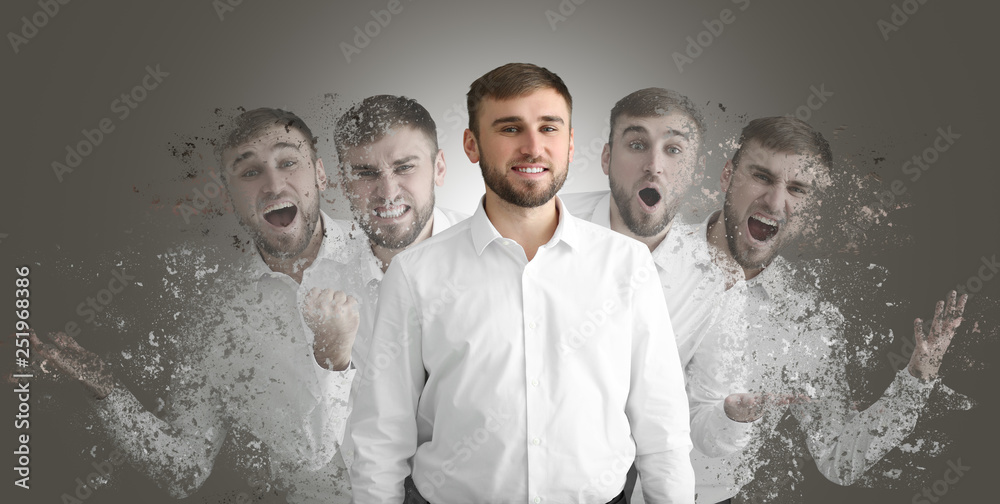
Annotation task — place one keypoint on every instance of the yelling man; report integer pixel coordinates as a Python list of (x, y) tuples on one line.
[(775, 344), (267, 353)]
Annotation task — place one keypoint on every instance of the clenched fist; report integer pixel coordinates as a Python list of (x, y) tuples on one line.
[(333, 317)]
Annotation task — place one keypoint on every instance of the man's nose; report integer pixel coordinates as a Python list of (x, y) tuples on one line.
[(532, 146), (274, 181), (655, 162), (388, 187)]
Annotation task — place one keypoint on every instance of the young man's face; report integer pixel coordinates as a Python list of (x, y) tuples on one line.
[(275, 186), (524, 147), (651, 164), (390, 184), (770, 198)]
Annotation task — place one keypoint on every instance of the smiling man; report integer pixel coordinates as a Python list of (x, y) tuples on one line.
[(267, 348), (543, 380)]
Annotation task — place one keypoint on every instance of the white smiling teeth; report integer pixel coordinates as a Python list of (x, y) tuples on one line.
[(277, 206), (530, 170), (765, 220), (391, 213)]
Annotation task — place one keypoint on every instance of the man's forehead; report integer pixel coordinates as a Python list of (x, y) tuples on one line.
[(804, 167), (669, 124), (395, 143), (555, 105), (274, 137)]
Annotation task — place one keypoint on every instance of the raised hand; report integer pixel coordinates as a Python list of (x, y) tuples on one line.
[(74, 361), (929, 348), (333, 317)]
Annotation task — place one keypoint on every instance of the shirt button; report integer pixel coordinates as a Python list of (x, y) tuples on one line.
[(532, 325), (536, 441), (534, 383), (537, 500)]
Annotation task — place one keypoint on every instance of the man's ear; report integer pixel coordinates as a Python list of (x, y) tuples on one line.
[(606, 159), (572, 148), (321, 174), (727, 175), (470, 145), (440, 168)]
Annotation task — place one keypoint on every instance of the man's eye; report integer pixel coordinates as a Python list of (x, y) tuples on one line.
[(548, 129), (636, 145), (798, 190), (404, 168), (249, 173), (761, 177), (289, 163), (367, 173), (673, 149), (509, 129)]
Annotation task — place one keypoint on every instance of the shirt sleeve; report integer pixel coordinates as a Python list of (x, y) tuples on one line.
[(844, 442), (177, 453), (657, 406), (712, 431), (390, 377)]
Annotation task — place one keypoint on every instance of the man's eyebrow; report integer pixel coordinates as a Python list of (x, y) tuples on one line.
[(555, 119), (635, 128), (672, 132), (251, 154), (508, 119), (405, 160), (793, 182)]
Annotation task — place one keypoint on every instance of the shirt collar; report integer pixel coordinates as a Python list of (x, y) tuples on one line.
[(484, 233), (440, 223)]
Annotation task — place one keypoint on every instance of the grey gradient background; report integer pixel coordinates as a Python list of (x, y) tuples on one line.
[(890, 97)]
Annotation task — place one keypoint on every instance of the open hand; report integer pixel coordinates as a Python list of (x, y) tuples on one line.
[(71, 359), (929, 348)]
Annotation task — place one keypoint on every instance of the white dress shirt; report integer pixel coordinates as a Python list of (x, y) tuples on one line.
[(498, 379), (247, 366), (363, 260), (774, 336), (676, 258)]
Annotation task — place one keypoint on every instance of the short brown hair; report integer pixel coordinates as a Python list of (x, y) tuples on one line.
[(510, 81), (367, 122), (785, 134), (253, 123), (655, 102)]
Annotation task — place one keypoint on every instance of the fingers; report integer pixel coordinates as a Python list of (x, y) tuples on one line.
[(918, 331), (937, 323)]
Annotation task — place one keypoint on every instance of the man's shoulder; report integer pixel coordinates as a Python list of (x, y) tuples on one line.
[(436, 247), (602, 239), (582, 204)]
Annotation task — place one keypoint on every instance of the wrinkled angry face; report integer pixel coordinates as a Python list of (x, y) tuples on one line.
[(770, 199)]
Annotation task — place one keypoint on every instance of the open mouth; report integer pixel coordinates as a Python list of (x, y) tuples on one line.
[(390, 211), (649, 196), (762, 228), (280, 214)]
